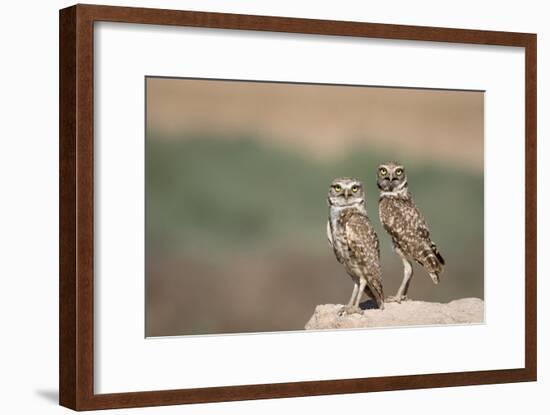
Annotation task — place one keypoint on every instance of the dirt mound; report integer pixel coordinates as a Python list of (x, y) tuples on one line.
[(408, 313)]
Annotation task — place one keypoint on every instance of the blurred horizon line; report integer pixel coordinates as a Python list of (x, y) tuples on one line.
[(323, 119)]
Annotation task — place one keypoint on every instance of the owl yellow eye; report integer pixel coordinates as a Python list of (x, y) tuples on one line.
[(399, 172), (383, 171), (354, 189), (337, 188)]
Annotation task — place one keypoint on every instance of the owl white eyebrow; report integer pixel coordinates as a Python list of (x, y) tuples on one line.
[(346, 184)]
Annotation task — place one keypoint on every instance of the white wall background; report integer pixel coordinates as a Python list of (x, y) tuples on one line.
[(29, 209)]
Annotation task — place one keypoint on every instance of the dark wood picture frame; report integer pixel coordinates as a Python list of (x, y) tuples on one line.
[(76, 161)]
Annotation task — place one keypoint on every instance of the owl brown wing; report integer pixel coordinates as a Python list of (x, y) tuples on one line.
[(404, 222), (364, 249), (331, 243), (411, 234)]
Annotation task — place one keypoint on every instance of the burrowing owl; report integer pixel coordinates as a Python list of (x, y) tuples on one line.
[(406, 225), (354, 241)]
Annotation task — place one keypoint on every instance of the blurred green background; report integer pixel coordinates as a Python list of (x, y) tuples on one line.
[(236, 205)]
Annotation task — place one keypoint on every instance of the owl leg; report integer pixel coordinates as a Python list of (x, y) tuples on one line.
[(407, 275), (350, 308), (362, 285), (353, 295)]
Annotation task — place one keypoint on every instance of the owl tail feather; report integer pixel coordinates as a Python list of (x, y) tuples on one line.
[(436, 262), (377, 294), (438, 254), (432, 261)]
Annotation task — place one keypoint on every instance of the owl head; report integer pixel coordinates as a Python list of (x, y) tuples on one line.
[(391, 177), (346, 191)]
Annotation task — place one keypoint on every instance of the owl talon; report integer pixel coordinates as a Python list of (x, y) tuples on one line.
[(349, 309), (397, 299)]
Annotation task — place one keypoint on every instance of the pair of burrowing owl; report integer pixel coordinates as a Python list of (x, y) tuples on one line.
[(356, 245)]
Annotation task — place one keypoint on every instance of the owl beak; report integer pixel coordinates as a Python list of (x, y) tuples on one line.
[(346, 194), (393, 182)]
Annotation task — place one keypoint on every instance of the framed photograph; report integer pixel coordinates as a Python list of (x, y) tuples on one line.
[(258, 207)]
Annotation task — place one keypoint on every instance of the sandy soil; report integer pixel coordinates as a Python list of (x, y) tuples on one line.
[(408, 313)]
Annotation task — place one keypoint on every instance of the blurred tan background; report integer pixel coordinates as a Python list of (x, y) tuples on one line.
[(236, 180)]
